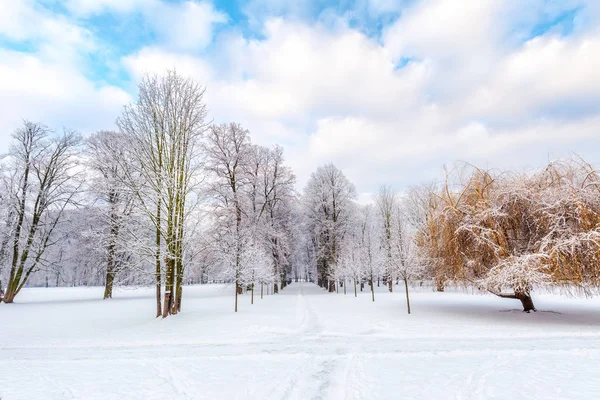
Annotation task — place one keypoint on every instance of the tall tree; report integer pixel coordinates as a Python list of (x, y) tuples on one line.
[(164, 127), (372, 258), (328, 205), (106, 157), (386, 205), (227, 151)]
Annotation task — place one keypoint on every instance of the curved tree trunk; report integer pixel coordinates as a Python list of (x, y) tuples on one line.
[(524, 297), (526, 301)]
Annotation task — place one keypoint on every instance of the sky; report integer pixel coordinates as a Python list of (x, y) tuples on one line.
[(387, 90)]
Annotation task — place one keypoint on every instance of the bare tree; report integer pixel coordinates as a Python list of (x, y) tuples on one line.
[(164, 127), (386, 204), (272, 200), (227, 150), (372, 258), (328, 205), (107, 155), (41, 182)]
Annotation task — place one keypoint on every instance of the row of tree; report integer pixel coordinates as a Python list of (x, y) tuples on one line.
[(346, 242), (487, 230), (167, 199), (170, 199)]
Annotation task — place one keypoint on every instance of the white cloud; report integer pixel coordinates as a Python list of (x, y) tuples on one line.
[(334, 94), (187, 25), (546, 71), (92, 7), (36, 89), (474, 88), (49, 84)]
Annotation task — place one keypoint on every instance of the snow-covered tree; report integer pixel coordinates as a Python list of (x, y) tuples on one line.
[(106, 157), (405, 257), (516, 232), (227, 150), (351, 259), (386, 203), (372, 257), (328, 204), (164, 127), (39, 182)]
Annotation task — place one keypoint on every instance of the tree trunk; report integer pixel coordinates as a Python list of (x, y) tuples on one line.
[(9, 297), (237, 290), (331, 286), (275, 288), (344, 288), (252, 296), (169, 286), (526, 301), (524, 297), (261, 291), (157, 271), (179, 296), (439, 283), (372, 290), (110, 277), (407, 298), (390, 284), (179, 285), (355, 294)]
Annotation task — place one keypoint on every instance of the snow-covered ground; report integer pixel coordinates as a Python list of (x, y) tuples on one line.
[(301, 344)]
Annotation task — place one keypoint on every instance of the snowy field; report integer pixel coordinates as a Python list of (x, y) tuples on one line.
[(301, 344)]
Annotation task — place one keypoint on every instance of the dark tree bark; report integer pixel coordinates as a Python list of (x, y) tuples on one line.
[(524, 297), (331, 286), (110, 264), (407, 298), (526, 301)]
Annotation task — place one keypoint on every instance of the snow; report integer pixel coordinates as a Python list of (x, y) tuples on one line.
[(304, 343)]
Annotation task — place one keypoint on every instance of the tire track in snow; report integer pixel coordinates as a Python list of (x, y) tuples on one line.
[(477, 380), (309, 321), (166, 374)]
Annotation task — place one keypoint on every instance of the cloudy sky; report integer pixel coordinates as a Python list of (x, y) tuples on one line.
[(388, 90)]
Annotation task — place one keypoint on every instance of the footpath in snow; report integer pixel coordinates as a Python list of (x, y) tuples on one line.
[(301, 344)]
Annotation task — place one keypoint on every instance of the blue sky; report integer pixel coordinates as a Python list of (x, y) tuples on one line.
[(388, 90)]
